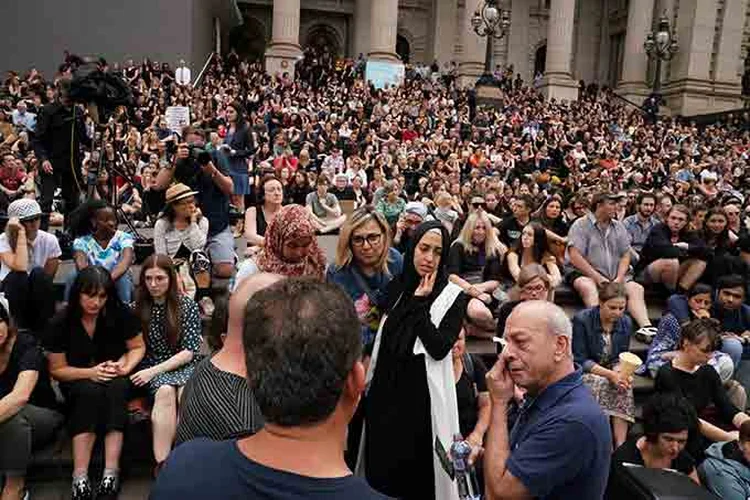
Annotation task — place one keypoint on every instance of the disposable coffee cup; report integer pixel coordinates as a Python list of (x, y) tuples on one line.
[(629, 363)]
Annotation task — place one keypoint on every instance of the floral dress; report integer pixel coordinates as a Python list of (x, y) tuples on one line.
[(158, 346)]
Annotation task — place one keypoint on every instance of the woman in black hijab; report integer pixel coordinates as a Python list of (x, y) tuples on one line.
[(411, 396)]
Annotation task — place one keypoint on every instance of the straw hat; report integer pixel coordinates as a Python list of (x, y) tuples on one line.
[(177, 192)]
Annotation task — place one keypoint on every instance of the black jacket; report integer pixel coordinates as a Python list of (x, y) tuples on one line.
[(658, 245), (54, 128), (242, 143)]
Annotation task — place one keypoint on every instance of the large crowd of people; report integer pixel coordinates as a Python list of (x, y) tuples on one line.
[(453, 221)]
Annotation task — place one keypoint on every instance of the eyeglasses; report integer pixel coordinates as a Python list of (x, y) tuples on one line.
[(479, 205), (156, 279), (371, 239), (535, 289)]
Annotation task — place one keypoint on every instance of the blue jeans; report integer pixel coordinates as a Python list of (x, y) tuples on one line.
[(733, 348), (123, 286)]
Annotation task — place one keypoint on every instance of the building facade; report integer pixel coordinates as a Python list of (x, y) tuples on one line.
[(564, 41)]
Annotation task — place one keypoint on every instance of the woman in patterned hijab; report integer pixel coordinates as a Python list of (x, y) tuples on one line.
[(291, 247)]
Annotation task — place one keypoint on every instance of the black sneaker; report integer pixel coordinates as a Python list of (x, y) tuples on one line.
[(81, 489), (109, 487)]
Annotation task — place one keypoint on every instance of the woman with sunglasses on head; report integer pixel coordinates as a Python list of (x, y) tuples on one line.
[(690, 375), (475, 264), (173, 340), (92, 347), (533, 284), (365, 264), (30, 258)]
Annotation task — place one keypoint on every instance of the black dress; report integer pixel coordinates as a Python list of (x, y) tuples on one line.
[(260, 221), (398, 425), (93, 406)]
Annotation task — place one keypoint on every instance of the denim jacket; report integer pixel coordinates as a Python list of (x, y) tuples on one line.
[(588, 345)]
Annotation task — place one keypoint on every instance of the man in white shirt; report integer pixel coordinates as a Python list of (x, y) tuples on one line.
[(182, 74), (22, 118)]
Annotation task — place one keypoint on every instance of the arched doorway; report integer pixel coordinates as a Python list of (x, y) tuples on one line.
[(323, 39), (402, 48), (540, 60), (249, 39)]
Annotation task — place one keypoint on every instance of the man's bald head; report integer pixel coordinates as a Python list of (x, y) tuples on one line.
[(231, 357), (242, 293), (538, 349), (554, 316)]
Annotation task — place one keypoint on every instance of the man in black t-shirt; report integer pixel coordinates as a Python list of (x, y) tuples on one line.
[(511, 227), (303, 352)]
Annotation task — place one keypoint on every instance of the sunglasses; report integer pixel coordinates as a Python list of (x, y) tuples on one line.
[(479, 205)]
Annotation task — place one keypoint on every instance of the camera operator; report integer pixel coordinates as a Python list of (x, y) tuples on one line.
[(60, 131), (204, 172)]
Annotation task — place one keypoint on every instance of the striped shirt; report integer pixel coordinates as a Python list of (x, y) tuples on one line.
[(217, 405)]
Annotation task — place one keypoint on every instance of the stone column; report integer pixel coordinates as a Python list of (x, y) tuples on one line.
[(518, 39), (587, 39), (690, 90), (558, 82), (383, 30), (444, 31), (728, 70), (284, 50), (471, 66), (632, 83), (362, 11)]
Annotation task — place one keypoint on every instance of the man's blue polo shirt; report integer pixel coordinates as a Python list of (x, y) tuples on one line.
[(560, 446)]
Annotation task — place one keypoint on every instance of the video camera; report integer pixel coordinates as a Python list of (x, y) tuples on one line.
[(101, 91), (199, 155)]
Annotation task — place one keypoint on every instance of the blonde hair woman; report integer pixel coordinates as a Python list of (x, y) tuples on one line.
[(475, 264), (365, 265)]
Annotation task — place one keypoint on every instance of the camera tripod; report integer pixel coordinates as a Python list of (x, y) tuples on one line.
[(112, 172)]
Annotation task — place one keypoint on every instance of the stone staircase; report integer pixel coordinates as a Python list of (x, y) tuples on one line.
[(55, 461)]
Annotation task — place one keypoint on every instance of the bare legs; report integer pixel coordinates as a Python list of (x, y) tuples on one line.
[(328, 225), (671, 273), (112, 450), (83, 444), (164, 420), (586, 288), (637, 304), (619, 431)]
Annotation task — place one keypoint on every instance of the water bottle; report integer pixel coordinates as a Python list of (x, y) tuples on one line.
[(460, 451)]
